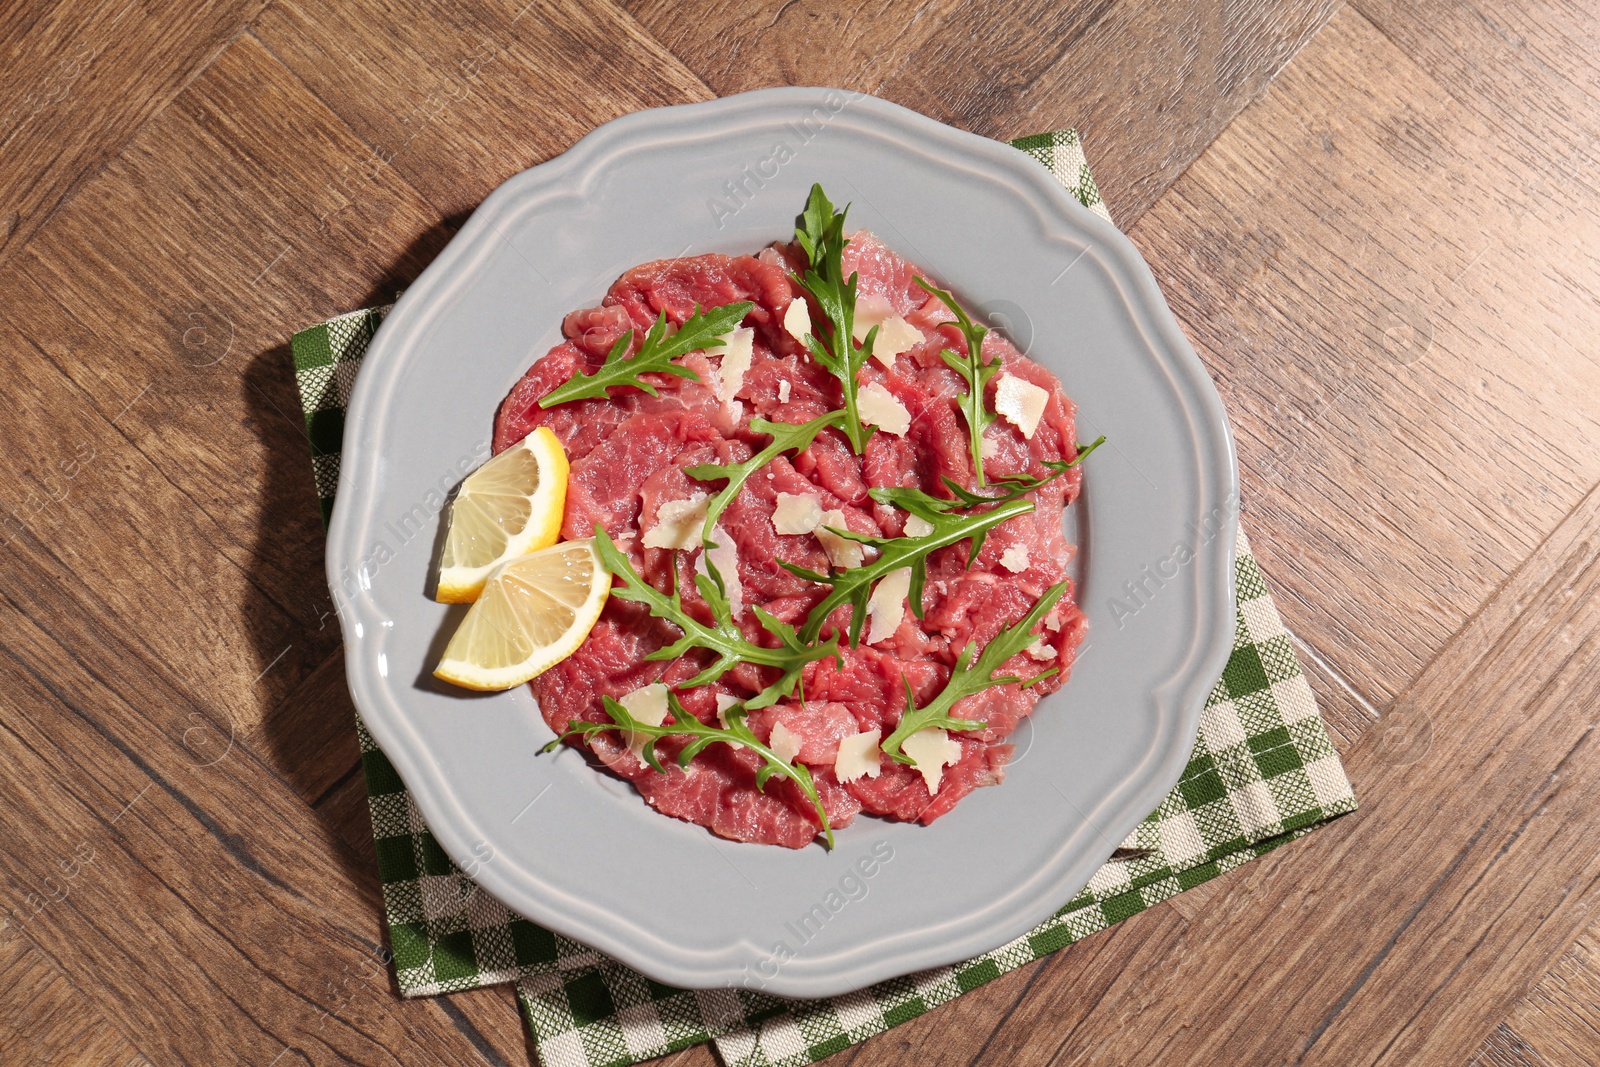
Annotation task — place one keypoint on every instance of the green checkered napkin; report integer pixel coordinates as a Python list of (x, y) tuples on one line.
[(1263, 772)]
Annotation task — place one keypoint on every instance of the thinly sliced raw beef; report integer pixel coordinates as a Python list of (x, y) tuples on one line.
[(628, 453)]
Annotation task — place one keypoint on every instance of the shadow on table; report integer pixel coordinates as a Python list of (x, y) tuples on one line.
[(306, 727)]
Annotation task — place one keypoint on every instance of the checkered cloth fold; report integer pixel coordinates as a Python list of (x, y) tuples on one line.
[(1263, 772)]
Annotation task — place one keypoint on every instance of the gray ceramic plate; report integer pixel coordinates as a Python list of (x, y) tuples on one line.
[(579, 852)]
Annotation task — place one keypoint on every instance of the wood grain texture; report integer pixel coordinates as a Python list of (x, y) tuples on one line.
[(158, 519), (1387, 260), (977, 1027), (1260, 245), (1505, 1048), (312, 729), (1148, 84), (44, 1020), (1394, 335), (210, 891), (1395, 934), (734, 47), (161, 356), (80, 78), (1560, 1016), (459, 99)]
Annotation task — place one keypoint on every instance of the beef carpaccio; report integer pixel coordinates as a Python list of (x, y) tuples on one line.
[(628, 455)]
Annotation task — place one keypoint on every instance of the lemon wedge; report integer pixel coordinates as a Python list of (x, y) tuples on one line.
[(510, 506), (534, 612)]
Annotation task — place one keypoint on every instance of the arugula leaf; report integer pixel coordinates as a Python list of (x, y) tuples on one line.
[(821, 236), (723, 637), (786, 436), (969, 678), (1021, 484), (853, 585), (737, 732), (973, 370), (700, 330)]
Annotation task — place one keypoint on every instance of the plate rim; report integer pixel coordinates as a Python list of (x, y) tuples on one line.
[(1181, 695)]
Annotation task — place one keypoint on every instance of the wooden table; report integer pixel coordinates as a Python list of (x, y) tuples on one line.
[(1378, 222)]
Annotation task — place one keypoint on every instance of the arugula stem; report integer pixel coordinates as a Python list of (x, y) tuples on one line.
[(821, 236), (701, 330), (737, 732), (723, 637), (974, 371), (853, 429), (1020, 484), (969, 678), (853, 585), (786, 437)]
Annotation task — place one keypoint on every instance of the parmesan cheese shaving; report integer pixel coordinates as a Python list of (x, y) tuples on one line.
[(725, 554), (1021, 402), (1040, 651), (678, 523), (895, 334), (917, 526), (880, 407), (842, 552), (783, 391), (1015, 559), (797, 319), (887, 606), (858, 756), (784, 744), (871, 311), (724, 702), (710, 376), (933, 750), (895, 337), (738, 349), (649, 706), (797, 513)]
